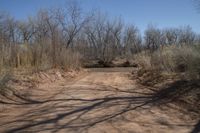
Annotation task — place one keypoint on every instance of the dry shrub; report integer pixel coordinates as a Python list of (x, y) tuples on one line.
[(38, 57), (69, 59), (173, 59), (193, 63), (5, 77), (143, 59)]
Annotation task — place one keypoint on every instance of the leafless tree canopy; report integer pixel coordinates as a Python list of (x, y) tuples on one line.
[(56, 37)]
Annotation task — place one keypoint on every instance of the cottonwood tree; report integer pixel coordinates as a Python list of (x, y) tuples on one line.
[(104, 37), (72, 21), (42, 29), (117, 35), (27, 29), (132, 40), (41, 47), (2, 39), (52, 24), (152, 38), (186, 36), (10, 38), (171, 36)]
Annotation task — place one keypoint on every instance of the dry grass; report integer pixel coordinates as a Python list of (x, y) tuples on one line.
[(35, 58), (69, 59), (173, 59), (4, 79)]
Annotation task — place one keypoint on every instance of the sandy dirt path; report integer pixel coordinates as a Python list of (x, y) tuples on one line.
[(102, 101)]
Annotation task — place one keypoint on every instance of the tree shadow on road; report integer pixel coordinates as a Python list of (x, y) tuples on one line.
[(196, 128), (77, 114)]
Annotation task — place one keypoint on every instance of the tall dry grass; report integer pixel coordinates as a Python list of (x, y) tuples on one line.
[(38, 58), (173, 59), (4, 79)]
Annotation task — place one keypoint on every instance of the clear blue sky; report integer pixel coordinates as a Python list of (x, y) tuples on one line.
[(163, 13)]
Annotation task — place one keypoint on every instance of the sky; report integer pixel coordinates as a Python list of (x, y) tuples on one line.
[(161, 13)]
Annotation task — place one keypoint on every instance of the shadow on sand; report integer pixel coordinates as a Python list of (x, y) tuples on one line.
[(78, 115)]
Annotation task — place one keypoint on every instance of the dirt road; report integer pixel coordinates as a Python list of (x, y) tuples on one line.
[(104, 100)]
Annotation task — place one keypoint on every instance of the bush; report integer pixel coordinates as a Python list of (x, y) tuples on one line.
[(173, 59), (144, 60), (69, 59), (37, 58), (4, 78)]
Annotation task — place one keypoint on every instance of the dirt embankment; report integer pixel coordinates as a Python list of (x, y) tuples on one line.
[(19, 86), (172, 87)]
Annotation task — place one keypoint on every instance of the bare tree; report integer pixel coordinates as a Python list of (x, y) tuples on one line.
[(187, 36), (117, 34), (132, 40), (52, 24), (72, 21), (26, 29), (171, 36), (104, 37), (10, 38), (152, 37)]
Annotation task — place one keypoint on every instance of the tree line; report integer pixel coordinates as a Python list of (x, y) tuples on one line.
[(60, 37)]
